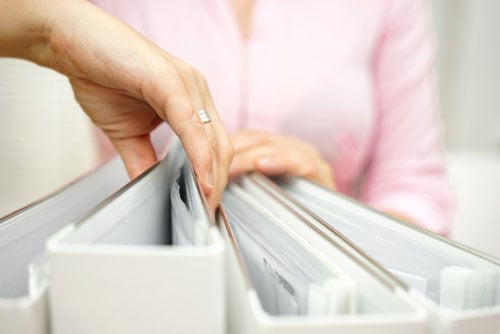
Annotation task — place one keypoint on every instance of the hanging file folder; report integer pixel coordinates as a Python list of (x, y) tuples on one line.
[(458, 286), (108, 255), (117, 271), (284, 277)]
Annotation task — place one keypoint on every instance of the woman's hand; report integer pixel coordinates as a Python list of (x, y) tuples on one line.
[(126, 84), (274, 154)]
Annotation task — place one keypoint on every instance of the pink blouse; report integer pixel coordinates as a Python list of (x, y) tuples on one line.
[(355, 78)]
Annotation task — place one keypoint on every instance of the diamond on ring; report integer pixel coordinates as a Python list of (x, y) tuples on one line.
[(203, 115)]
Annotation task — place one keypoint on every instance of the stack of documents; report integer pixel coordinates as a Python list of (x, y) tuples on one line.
[(291, 278), (286, 277), (459, 286), (108, 255)]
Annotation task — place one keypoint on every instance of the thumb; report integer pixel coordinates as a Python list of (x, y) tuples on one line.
[(137, 153)]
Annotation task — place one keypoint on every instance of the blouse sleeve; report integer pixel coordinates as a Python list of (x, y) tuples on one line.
[(407, 170)]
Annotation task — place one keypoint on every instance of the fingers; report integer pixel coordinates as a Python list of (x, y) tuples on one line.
[(206, 144), (246, 161), (197, 134), (292, 163), (245, 139), (223, 151), (276, 155)]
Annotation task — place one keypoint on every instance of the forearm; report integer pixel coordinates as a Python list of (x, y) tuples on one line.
[(25, 28), (56, 33)]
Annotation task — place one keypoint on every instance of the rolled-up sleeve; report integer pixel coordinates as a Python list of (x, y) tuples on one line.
[(407, 169)]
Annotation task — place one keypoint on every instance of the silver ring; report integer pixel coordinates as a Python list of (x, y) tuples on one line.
[(203, 115)]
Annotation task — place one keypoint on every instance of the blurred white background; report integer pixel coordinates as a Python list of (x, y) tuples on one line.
[(46, 141), (469, 70)]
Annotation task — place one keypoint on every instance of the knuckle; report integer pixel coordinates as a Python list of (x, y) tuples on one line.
[(309, 169), (261, 137), (187, 126), (175, 103), (200, 78), (312, 149), (326, 170), (184, 67), (194, 73), (227, 151)]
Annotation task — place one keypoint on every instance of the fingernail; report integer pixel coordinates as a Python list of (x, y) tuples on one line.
[(210, 180), (209, 187), (265, 161)]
